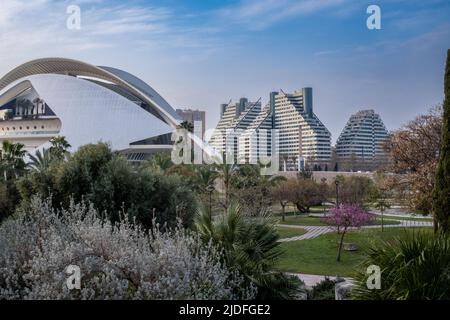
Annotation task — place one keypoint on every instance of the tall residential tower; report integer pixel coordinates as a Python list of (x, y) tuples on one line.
[(301, 138), (362, 138)]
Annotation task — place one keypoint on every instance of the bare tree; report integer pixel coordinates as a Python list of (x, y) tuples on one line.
[(414, 151)]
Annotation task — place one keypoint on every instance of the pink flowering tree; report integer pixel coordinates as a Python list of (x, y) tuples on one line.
[(347, 216)]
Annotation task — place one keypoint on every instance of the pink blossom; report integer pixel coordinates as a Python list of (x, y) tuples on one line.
[(348, 215)]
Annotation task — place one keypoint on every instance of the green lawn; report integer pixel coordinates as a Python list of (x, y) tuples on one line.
[(290, 232), (318, 255), (303, 220)]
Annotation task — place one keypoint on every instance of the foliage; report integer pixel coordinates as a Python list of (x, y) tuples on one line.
[(305, 193), (252, 190), (280, 193), (354, 189), (225, 173), (113, 185), (324, 290), (9, 198), (379, 199), (41, 160), (441, 192), (12, 162), (59, 147), (117, 261), (186, 125), (413, 267), (250, 247), (160, 161), (347, 216), (414, 150)]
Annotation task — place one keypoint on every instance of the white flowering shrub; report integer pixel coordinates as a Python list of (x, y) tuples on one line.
[(118, 261)]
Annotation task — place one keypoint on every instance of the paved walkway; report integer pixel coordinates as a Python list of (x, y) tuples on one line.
[(311, 280), (312, 232), (315, 231)]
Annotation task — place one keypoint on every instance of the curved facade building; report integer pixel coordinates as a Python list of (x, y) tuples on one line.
[(362, 137), (86, 104)]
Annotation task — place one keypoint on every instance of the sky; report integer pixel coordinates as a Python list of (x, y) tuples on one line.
[(201, 53)]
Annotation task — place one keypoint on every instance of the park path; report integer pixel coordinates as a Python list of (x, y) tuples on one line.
[(311, 280), (315, 231)]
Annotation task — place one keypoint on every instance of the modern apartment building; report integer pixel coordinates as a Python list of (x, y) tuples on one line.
[(194, 117), (362, 137), (256, 141), (301, 138), (235, 118)]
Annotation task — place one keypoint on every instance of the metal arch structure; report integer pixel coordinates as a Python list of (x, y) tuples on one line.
[(71, 67)]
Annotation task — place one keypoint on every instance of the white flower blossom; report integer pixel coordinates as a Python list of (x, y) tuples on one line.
[(118, 261)]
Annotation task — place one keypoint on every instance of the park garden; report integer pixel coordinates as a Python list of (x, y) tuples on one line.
[(157, 230)]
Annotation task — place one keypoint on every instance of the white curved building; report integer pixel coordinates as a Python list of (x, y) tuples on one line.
[(86, 104)]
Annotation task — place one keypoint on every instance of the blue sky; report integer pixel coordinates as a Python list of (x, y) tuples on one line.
[(202, 53)]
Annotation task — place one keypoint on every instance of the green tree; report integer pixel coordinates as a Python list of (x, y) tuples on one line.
[(225, 173), (250, 247), (187, 126), (9, 198), (41, 161), (60, 147), (160, 161), (379, 195), (114, 186), (441, 194), (12, 159)]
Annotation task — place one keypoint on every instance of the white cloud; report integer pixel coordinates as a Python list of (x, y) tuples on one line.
[(261, 14), (31, 29)]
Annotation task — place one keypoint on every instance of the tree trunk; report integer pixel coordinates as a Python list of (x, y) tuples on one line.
[(283, 213), (340, 245), (435, 224)]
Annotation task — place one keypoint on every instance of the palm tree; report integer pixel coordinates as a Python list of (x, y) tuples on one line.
[(226, 172), (186, 125), (40, 162), (12, 159), (60, 147), (251, 247), (206, 175)]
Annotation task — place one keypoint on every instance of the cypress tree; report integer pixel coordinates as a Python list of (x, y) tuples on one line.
[(441, 192)]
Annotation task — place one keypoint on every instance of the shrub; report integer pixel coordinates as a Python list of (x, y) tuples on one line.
[(117, 261), (324, 290), (250, 247), (113, 185), (414, 267)]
